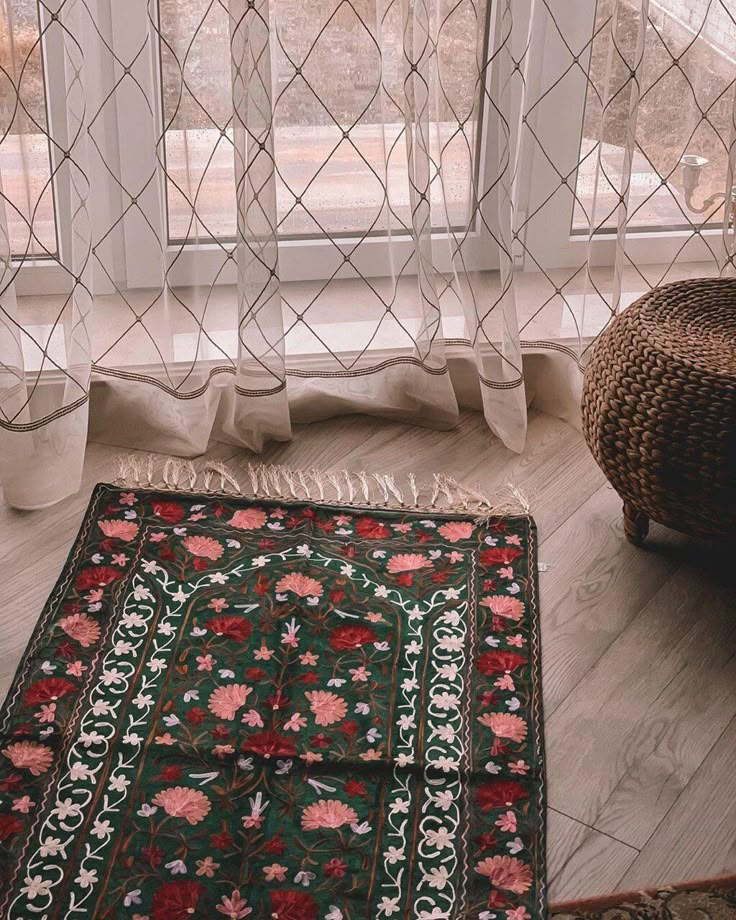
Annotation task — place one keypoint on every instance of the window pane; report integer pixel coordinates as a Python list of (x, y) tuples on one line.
[(25, 170), (326, 183), (688, 75)]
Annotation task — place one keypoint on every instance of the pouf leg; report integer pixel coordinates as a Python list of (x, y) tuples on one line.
[(636, 524)]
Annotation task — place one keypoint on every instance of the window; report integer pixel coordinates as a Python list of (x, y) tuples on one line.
[(688, 70), (334, 122), (25, 163)]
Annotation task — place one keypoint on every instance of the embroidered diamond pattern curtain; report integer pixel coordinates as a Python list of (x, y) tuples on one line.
[(218, 219)]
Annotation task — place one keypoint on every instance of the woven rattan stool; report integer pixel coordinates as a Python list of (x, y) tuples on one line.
[(659, 408)]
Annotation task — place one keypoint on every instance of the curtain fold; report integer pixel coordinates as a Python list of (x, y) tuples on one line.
[(220, 220)]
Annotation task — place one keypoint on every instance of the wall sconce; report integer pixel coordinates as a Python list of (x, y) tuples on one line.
[(692, 168)]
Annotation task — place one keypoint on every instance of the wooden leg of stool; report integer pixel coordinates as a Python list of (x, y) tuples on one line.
[(636, 524)]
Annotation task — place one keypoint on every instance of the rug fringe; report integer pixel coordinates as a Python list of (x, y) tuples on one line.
[(342, 487)]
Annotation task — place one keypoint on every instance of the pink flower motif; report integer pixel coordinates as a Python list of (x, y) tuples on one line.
[(119, 530), (182, 802), (454, 557), (401, 528), (453, 531), (248, 519), (408, 562), (518, 640), (225, 701), (81, 627), (75, 668), (504, 725), (29, 755), (505, 682), (253, 718), (295, 723), (218, 603), (360, 673), (47, 713), (329, 813), (301, 585), (507, 822), (506, 872), (234, 907), (327, 707), (119, 559), (506, 572), (275, 872), (207, 866), (513, 540), (205, 547), (308, 658), (157, 537), (518, 913), (205, 662), (503, 606), (127, 498), (520, 766), (24, 804)]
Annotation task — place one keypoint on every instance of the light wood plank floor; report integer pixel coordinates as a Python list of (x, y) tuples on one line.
[(638, 644)]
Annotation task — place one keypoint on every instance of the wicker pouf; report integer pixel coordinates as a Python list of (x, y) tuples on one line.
[(659, 408)]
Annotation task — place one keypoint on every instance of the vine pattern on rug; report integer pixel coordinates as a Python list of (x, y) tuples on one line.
[(287, 711)]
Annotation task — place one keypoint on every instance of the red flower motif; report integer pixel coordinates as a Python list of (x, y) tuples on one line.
[(171, 512), (176, 900), (97, 577), (498, 662), (222, 841), (195, 716), (335, 868), (232, 627), (343, 638), (153, 855), (292, 905), (269, 744), (9, 825), (169, 773), (500, 793), (371, 529), (11, 783), (354, 787), (499, 555), (276, 846), (255, 674), (48, 690)]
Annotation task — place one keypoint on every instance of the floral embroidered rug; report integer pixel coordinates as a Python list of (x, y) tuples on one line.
[(293, 711)]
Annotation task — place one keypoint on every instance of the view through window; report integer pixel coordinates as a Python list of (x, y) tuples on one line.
[(687, 72), (25, 167), (335, 127)]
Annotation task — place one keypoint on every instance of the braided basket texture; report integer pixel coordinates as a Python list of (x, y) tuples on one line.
[(659, 408)]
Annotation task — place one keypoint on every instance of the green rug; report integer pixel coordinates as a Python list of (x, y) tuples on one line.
[(285, 710)]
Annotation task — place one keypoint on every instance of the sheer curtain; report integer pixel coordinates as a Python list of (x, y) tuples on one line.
[(219, 219)]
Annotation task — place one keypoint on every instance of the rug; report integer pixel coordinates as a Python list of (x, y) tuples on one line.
[(288, 710), (711, 899)]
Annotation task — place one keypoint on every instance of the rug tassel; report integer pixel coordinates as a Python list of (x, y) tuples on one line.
[(442, 493)]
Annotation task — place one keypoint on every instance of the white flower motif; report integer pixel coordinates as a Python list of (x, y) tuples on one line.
[(157, 664), (122, 647), (80, 771), (334, 913), (446, 701), (176, 867), (218, 578), (146, 810), (90, 738), (393, 855), (347, 570), (452, 617), (413, 648), (132, 620), (406, 721), (388, 906), (437, 877), (119, 783), (132, 738), (51, 846), (66, 809), (446, 733), (141, 593), (435, 914), (179, 596), (452, 594), (101, 708), (409, 683), (403, 760), (86, 878), (112, 677), (143, 700), (132, 897), (148, 565), (448, 671), (35, 886), (451, 643), (400, 806), (447, 764), (166, 629), (381, 591), (101, 829), (440, 838), (260, 561), (444, 799), (492, 767)]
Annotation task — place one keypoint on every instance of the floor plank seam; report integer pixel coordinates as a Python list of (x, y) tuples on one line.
[(592, 828)]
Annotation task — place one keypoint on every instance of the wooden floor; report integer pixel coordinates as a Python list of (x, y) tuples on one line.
[(638, 644)]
